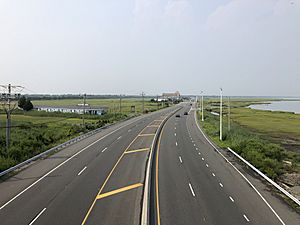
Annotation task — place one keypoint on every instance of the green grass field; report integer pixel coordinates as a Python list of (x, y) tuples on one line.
[(282, 127), (265, 138), (36, 131), (112, 104)]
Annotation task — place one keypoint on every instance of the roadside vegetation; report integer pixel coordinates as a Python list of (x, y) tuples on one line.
[(269, 140), (33, 132)]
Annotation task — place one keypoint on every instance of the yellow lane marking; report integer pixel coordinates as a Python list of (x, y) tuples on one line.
[(156, 178), (119, 190), (137, 150), (144, 135), (109, 175)]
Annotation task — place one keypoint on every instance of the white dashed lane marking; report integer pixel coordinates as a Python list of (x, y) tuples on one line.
[(180, 159), (192, 190), (246, 218)]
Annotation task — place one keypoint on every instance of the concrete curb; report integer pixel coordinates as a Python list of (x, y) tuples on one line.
[(146, 195)]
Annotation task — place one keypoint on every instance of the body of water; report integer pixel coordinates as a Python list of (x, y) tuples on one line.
[(286, 106)]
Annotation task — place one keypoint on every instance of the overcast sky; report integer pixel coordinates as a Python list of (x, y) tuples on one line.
[(248, 47)]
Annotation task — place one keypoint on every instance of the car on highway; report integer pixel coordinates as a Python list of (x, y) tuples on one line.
[(177, 115), (185, 113)]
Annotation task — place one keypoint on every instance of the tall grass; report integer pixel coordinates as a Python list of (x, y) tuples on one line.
[(266, 156)]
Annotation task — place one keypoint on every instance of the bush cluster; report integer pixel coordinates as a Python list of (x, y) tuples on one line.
[(264, 155)]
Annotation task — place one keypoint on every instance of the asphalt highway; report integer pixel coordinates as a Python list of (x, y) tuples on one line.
[(101, 180), (97, 181), (193, 184)]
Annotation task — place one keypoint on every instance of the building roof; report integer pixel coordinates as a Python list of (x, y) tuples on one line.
[(72, 107)]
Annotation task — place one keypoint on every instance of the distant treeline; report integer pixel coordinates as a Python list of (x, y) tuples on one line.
[(72, 96)]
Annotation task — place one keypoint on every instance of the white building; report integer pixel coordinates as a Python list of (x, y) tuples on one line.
[(73, 109)]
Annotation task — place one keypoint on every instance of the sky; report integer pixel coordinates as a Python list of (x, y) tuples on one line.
[(247, 47)]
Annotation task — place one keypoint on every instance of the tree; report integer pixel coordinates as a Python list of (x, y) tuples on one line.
[(22, 102), (28, 105)]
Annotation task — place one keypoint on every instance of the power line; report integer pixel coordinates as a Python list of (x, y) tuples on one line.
[(11, 92)]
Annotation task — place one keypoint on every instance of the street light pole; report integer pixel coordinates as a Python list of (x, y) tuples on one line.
[(229, 125), (84, 100), (221, 104), (143, 105), (120, 104), (202, 107)]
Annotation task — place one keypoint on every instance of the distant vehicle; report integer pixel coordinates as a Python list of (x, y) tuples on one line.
[(177, 115), (191, 104), (186, 113)]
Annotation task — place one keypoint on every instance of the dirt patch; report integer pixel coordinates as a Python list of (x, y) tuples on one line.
[(292, 183)]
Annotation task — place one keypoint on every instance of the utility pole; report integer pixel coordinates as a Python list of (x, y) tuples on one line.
[(143, 105), (221, 104), (8, 107), (229, 125), (84, 102), (120, 105), (202, 106)]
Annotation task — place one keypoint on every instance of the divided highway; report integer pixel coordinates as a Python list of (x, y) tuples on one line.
[(101, 179)]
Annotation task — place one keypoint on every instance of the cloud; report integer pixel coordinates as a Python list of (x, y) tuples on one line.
[(177, 9), (242, 14)]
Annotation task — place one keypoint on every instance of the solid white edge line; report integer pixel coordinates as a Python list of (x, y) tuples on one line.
[(191, 188), (104, 149), (61, 164), (37, 216), (246, 218), (81, 171), (246, 179)]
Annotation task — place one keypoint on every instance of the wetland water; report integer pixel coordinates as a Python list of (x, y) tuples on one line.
[(286, 106)]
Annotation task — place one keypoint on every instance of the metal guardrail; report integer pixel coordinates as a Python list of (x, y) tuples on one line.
[(285, 192), (58, 147), (282, 190)]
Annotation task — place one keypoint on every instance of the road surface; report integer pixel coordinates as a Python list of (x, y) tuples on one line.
[(101, 179)]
